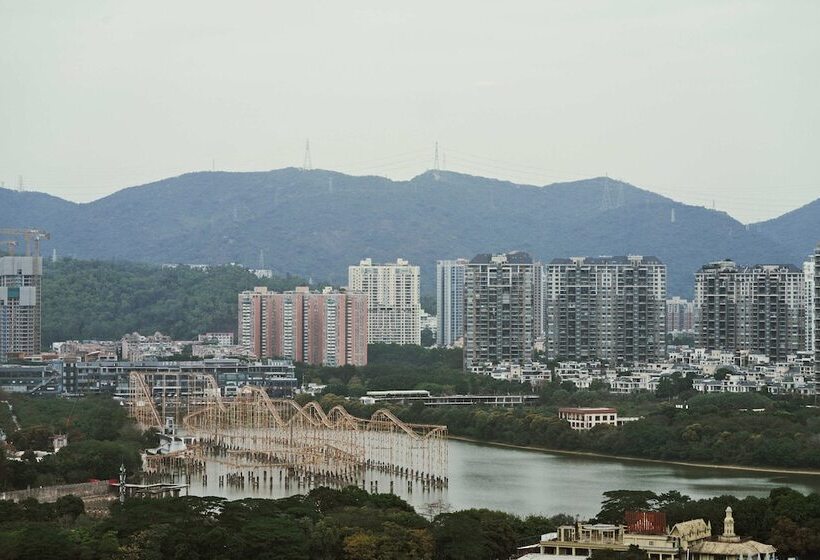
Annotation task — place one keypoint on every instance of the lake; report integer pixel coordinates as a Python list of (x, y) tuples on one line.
[(527, 482)]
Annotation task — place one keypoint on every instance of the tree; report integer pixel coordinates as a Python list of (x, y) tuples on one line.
[(616, 502), (722, 373)]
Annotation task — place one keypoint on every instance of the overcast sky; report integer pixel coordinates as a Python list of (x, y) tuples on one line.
[(701, 101)]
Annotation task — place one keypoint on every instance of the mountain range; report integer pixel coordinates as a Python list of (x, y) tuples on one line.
[(316, 223)]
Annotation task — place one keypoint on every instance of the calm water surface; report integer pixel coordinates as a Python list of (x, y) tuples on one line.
[(534, 482)]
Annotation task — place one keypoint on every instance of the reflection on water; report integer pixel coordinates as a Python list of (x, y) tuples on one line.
[(531, 482)]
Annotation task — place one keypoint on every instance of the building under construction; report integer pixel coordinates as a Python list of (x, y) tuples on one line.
[(252, 433), (20, 292)]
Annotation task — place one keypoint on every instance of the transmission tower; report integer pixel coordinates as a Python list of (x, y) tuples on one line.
[(619, 202), (307, 165), (606, 199), (436, 165)]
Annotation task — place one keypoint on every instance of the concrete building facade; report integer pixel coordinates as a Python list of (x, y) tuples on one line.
[(817, 312), (503, 310), (327, 328), (20, 305), (760, 309), (680, 315), (808, 279), (450, 275), (393, 302), (606, 308)]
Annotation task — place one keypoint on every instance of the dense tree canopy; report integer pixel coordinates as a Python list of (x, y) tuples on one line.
[(100, 438), (105, 300), (350, 524), (347, 524)]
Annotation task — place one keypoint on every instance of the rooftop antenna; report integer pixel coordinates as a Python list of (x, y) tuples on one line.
[(307, 165)]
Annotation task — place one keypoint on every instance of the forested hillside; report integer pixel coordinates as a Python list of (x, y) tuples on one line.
[(104, 300)]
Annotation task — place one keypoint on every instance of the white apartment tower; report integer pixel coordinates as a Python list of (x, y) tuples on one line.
[(450, 301), (393, 300), (20, 305), (606, 308)]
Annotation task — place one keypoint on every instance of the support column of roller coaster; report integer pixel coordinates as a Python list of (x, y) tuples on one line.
[(252, 429)]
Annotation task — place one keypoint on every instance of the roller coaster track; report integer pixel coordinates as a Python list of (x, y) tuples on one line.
[(254, 424)]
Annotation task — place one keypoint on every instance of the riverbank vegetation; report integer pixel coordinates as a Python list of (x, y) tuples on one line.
[(727, 429), (100, 438), (351, 524)]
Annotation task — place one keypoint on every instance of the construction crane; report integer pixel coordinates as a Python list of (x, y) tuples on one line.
[(10, 244), (32, 238)]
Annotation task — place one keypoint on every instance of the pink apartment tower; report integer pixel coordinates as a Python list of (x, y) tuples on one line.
[(319, 328)]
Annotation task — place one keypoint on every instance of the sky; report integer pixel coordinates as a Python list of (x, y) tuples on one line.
[(713, 103)]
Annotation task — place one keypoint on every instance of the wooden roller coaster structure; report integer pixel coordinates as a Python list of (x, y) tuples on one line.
[(251, 429)]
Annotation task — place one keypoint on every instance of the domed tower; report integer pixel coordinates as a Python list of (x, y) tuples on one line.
[(729, 528)]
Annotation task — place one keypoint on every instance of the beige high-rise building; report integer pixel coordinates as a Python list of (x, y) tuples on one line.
[(606, 308), (20, 305), (393, 305), (502, 310), (320, 328), (760, 309), (817, 314), (808, 279)]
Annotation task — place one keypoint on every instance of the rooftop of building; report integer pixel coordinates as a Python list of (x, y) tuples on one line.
[(587, 410), (515, 257), (604, 259), (729, 265)]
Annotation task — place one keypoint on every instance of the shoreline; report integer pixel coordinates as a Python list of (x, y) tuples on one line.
[(770, 470)]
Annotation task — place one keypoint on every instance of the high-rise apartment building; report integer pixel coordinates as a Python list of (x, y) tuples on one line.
[(817, 314), (680, 315), (502, 313), (808, 279), (606, 308), (20, 305), (393, 305), (760, 309), (450, 301), (327, 328)]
